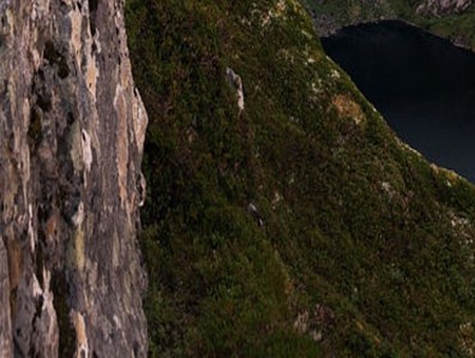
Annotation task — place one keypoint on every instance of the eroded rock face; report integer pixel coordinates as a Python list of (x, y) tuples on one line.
[(72, 128), (442, 7)]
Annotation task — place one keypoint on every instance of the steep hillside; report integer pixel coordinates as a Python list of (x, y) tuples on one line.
[(283, 216), (453, 19)]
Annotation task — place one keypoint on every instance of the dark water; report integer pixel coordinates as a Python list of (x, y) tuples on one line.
[(423, 85)]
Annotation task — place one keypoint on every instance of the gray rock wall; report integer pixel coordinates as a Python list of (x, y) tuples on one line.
[(72, 128)]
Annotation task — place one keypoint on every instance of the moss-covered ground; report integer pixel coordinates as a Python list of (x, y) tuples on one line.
[(300, 226)]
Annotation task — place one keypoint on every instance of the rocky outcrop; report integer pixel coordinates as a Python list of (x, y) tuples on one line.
[(72, 128), (443, 7)]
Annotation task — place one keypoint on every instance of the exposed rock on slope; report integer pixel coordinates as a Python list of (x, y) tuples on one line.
[(72, 128), (437, 7)]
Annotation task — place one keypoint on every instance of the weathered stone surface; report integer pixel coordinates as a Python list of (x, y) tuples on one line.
[(5, 319), (72, 128)]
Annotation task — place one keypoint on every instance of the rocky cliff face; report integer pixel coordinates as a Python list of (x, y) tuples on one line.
[(72, 127)]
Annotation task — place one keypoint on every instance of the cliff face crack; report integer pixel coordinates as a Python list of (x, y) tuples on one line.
[(69, 182), (93, 4)]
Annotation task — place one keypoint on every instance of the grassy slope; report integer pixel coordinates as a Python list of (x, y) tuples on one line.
[(363, 243), (458, 27)]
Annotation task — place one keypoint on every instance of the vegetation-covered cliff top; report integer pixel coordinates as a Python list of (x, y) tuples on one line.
[(289, 220)]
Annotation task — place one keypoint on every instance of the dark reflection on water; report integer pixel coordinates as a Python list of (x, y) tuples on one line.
[(423, 85)]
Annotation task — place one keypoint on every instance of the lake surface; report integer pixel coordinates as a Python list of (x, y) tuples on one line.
[(423, 85)]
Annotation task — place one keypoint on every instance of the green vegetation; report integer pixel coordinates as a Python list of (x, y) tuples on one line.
[(459, 28), (298, 227)]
